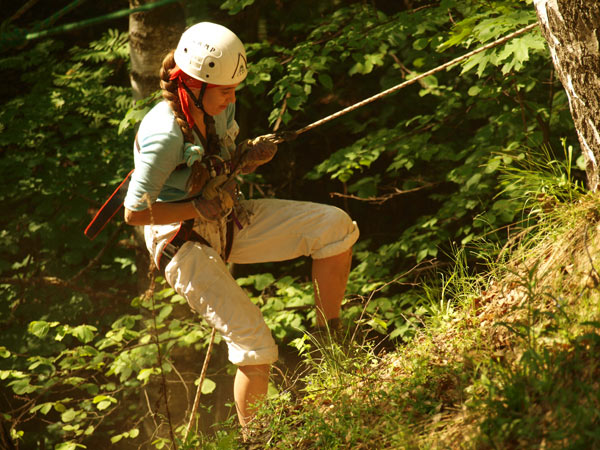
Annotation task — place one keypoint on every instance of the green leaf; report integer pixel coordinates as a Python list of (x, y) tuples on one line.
[(208, 386), (294, 102), (104, 404), (263, 280), (40, 328), (474, 90), (101, 398), (378, 325), (420, 44), (68, 446), (366, 187), (326, 81), (133, 116), (68, 415), (164, 312), (85, 333), (4, 374), (272, 391), (44, 408), (309, 77), (459, 34), (59, 407), (104, 401), (23, 386), (178, 299), (146, 373)]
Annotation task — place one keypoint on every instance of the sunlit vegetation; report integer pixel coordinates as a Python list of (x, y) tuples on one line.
[(472, 300)]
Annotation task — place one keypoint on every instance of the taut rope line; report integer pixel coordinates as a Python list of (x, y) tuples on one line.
[(289, 135)]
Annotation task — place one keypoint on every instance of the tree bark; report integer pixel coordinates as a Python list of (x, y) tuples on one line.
[(572, 30), (152, 34)]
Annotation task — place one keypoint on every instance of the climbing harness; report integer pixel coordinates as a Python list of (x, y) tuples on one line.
[(184, 234)]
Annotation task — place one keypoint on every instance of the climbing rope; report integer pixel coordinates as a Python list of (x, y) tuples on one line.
[(284, 136), (57, 15)]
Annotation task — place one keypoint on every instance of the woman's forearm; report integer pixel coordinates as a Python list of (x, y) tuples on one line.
[(161, 213)]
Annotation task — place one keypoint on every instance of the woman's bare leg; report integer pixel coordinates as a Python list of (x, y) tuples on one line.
[(250, 386), (330, 276)]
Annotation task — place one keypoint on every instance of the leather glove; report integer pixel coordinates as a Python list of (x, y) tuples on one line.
[(258, 152), (198, 178), (217, 202)]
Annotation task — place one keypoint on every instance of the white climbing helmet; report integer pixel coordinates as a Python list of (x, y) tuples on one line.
[(211, 53)]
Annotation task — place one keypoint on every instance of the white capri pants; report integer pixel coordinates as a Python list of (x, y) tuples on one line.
[(278, 230)]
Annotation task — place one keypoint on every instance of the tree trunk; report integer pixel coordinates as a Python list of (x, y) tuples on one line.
[(572, 30), (151, 35)]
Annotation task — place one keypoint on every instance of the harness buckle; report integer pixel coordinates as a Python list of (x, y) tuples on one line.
[(169, 250)]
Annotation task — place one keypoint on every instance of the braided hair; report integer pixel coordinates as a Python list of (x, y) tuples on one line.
[(200, 174), (169, 93)]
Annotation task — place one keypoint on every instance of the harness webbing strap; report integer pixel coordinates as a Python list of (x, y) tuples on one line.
[(111, 206), (108, 210), (184, 233), (229, 239)]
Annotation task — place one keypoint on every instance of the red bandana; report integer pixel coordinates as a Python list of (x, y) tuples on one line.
[(192, 83)]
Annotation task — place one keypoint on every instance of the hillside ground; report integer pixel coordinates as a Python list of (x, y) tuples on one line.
[(505, 359)]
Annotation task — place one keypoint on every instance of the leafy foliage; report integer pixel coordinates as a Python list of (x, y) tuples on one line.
[(423, 172), (54, 137), (84, 387)]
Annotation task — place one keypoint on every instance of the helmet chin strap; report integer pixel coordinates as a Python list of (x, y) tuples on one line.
[(197, 101)]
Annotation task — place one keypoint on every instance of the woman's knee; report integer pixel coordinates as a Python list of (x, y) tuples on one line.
[(255, 370), (338, 237)]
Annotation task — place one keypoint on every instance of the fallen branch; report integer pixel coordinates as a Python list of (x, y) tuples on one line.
[(199, 390), (384, 198)]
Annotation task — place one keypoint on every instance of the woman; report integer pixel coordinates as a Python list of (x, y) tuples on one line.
[(183, 190)]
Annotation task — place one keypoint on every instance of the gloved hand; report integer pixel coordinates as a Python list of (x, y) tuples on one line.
[(198, 178), (258, 152), (218, 204)]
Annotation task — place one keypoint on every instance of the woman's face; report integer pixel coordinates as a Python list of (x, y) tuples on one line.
[(217, 98)]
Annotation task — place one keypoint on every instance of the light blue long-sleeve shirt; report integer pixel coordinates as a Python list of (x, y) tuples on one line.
[(162, 150)]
